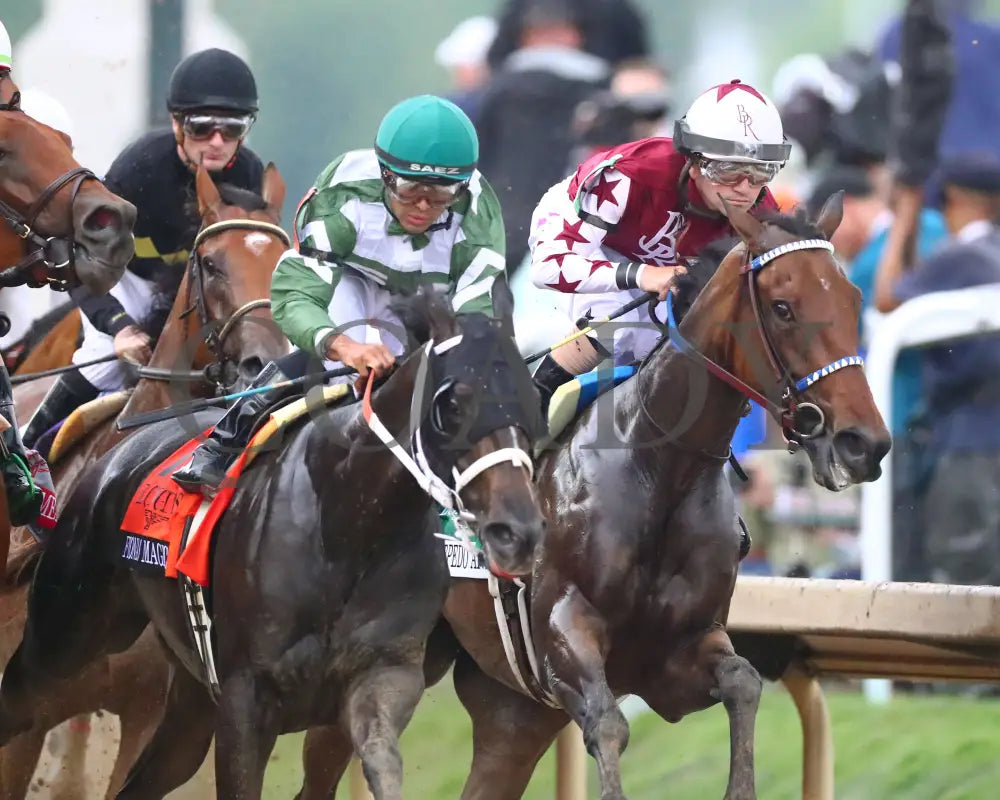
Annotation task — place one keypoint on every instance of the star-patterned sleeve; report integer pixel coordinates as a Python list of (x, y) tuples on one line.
[(566, 241)]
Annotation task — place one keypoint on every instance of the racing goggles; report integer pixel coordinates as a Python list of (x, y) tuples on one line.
[(410, 192), (731, 173), (203, 126)]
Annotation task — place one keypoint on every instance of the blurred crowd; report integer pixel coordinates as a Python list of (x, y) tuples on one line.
[(550, 82)]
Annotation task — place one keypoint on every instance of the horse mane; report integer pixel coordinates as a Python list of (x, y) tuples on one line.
[(243, 198), (421, 311), (797, 223), (700, 270), (702, 267)]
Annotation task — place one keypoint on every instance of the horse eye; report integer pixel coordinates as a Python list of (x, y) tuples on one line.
[(209, 264), (782, 310)]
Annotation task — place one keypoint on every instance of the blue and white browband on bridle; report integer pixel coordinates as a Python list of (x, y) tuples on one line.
[(790, 413)]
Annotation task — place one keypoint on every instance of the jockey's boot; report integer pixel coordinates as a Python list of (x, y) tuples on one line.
[(24, 499), (547, 378), (230, 436), (67, 394)]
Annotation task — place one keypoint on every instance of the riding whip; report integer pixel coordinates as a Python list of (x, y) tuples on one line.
[(193, 406), (593, 325)]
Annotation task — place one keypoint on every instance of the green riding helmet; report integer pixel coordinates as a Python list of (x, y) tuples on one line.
[(428, 138)]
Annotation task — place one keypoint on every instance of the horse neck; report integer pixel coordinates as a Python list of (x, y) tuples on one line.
[(380, 474), (679, 388), (169, 353)]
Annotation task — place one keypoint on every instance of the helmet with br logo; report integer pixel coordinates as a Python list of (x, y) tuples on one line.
[(733, 122)]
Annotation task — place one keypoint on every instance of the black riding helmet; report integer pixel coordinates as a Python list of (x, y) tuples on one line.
[(212, 79)]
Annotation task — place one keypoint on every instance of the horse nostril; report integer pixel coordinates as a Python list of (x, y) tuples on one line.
[(851, 446), (250, 367), (101, 219), (499, 534)]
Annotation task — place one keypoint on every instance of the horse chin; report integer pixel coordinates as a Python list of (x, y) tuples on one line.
[(98, 276), (507, 568), (828, 470)]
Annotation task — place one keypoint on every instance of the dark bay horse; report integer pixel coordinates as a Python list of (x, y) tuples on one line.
[(325, 581), (631, 589), (223, 292)]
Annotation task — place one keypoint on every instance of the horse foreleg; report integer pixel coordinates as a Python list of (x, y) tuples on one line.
[(325, 755), (510, 733), (178, 746), (18, 761), (73, 619), (379, 705), (738, 687), (575, 660), (245, 735)]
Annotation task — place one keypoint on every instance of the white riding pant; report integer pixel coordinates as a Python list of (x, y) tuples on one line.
[(135, 294)]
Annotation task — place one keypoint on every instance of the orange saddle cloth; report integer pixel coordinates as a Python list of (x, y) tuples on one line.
[(167, 531)]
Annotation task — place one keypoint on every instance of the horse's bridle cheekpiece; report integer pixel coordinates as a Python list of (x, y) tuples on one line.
[(799, 420), (55, 253)]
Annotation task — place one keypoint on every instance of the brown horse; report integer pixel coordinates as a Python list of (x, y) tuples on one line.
[(227, 281), (632, 583), (59, 224)]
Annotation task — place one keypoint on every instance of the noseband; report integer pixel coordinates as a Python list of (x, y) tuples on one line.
[(55, 253), (799, 421)]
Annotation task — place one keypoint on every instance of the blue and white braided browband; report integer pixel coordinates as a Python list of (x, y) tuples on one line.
[(847, 361), (806, 244)]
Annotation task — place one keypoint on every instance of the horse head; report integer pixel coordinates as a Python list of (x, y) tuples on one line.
[(66, 224), (477, 422), (803, 356), (229, 274)]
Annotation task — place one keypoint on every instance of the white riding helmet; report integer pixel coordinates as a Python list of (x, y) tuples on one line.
[(733, 122), (6, 51), (46, 109)]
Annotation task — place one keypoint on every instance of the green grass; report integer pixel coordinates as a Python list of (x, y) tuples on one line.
[(918, 748)]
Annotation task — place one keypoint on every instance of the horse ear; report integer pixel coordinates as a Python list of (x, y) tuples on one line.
[(273, 188), (503, 303), (750, 229), (831, 214), (208, 192)]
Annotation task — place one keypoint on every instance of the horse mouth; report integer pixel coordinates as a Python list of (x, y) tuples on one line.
[(828, 470)]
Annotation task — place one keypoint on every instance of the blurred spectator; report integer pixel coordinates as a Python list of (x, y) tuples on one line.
[(837, 109), (463, 54), (973, 115), (961, 511), (525, 118), (612, 30), (635, 107), (46, 109), (860, 240)]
